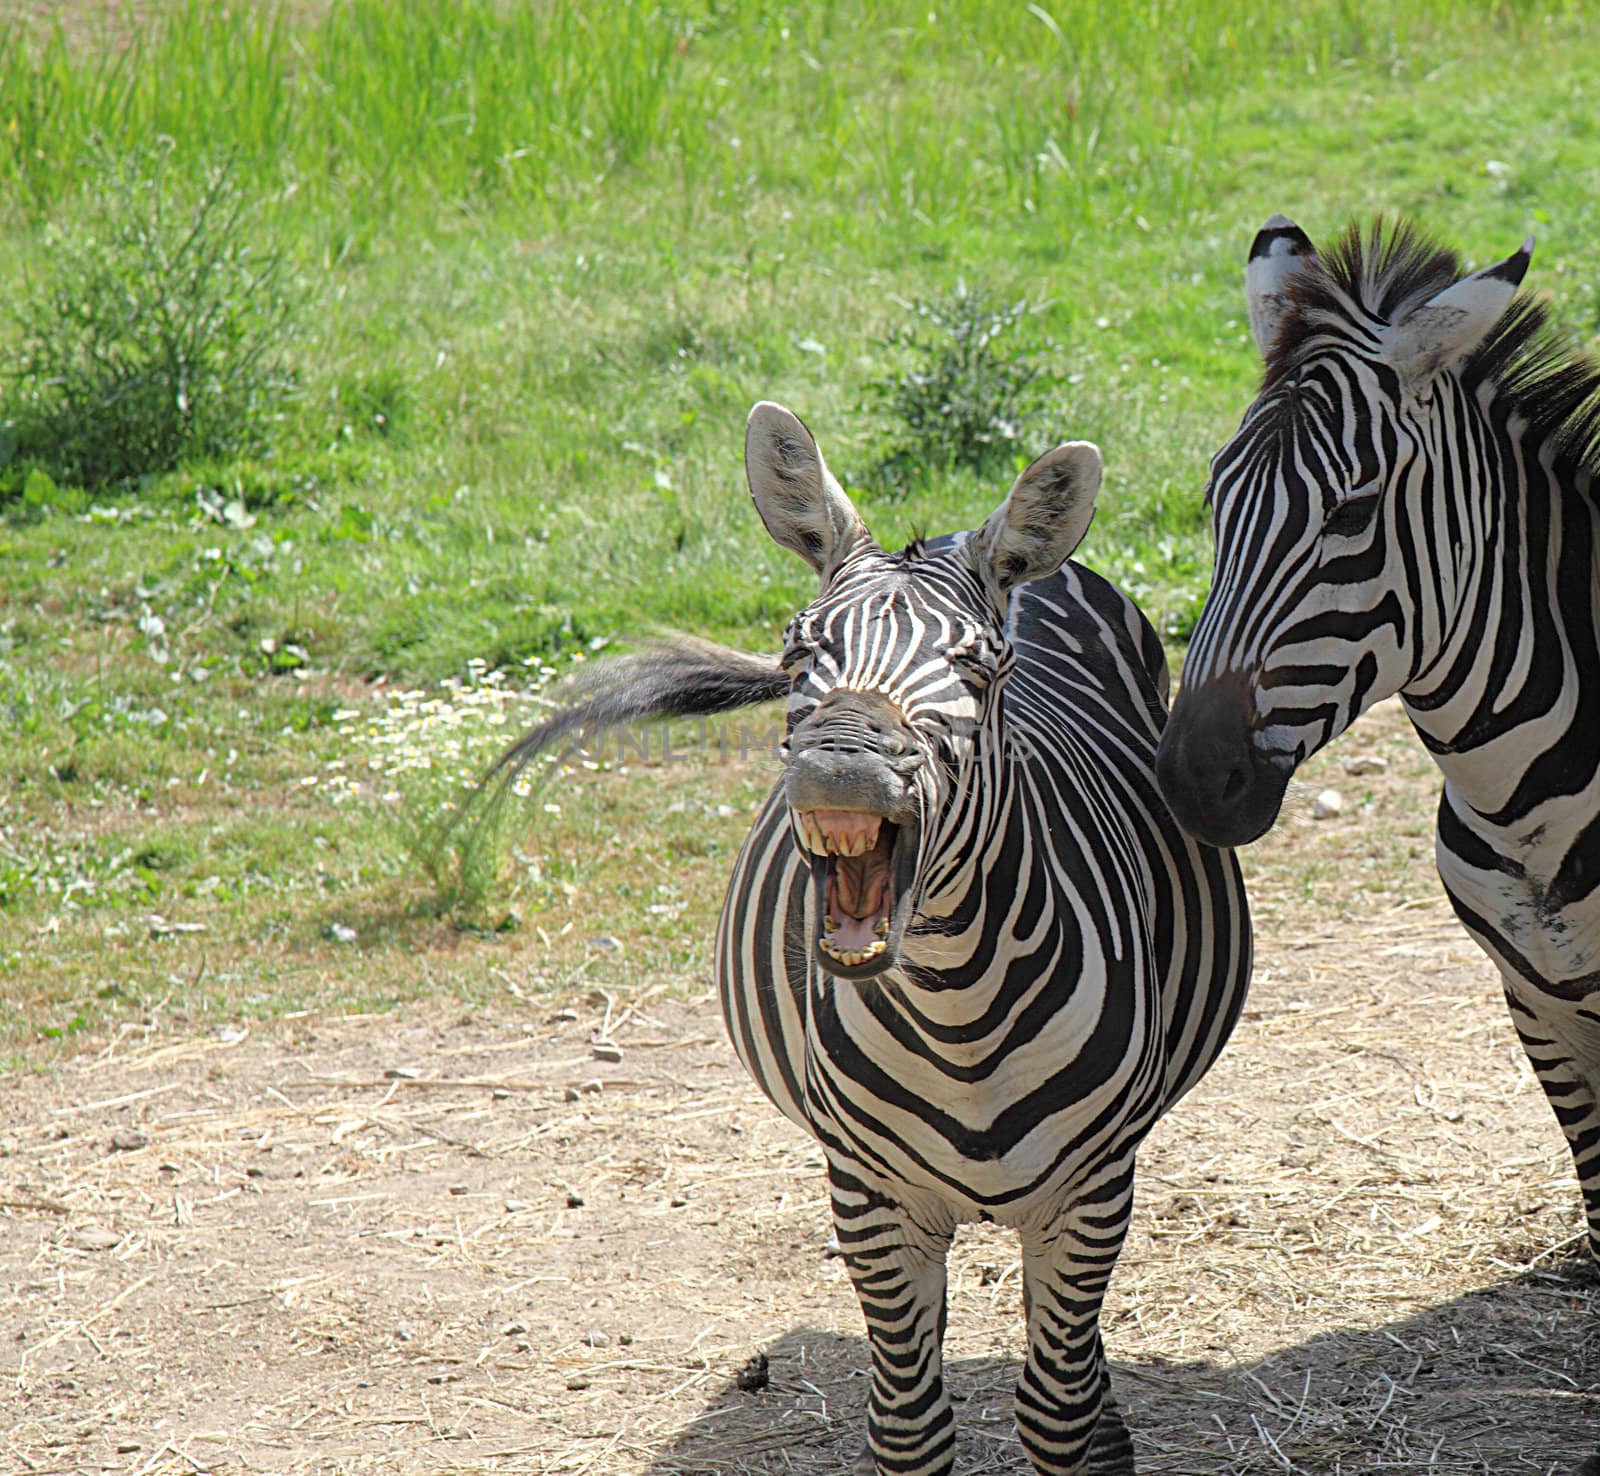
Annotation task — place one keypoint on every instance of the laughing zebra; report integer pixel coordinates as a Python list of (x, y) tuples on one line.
[(964, 945), (1410, 506)]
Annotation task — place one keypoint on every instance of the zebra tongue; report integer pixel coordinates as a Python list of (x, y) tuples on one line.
[(853, 935), (858, 903)]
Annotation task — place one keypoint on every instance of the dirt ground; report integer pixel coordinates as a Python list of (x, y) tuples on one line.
[(550, 1237)]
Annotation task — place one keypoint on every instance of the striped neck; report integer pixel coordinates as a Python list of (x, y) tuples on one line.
[(952, 964), (1510, 704)]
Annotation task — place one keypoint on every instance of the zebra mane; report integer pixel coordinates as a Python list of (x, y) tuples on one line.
[(1372, 276), (1543, 379)]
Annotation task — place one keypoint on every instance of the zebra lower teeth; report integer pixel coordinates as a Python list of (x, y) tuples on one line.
[(856, 956)]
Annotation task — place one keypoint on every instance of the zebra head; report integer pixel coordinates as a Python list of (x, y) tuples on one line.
[(896, 671), (1336, 509)]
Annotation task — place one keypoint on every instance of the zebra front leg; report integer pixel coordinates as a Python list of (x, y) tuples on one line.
[(1068, 1422), (897, 1263), (1562, 1040)]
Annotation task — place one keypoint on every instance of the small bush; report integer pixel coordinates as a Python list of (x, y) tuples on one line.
[(153, 333), (421, 761), (466, 857), (960, 400)]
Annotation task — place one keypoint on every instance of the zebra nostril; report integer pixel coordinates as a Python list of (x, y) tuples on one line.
[(1234, 784)]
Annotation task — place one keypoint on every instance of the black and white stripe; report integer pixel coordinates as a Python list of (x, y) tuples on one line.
[(1409, 506), (1069, 962)]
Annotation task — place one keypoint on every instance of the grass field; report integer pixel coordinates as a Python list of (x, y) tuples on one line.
[(547, 256)]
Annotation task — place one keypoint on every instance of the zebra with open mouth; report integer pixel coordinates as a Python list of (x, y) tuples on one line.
[(964, 945)]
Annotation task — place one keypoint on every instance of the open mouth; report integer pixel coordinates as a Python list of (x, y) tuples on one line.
[(856, 852)]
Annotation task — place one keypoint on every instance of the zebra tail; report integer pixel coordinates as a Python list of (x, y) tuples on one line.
[(684, 677)]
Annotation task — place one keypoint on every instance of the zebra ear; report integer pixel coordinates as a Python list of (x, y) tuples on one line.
[(1279, 252), (1442, 331), (802, 506), (1044, 517)]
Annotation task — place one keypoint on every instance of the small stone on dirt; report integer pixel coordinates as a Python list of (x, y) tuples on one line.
[(404, 1331), (605, 1051), (95, 1238), (597, 1339), (517, 1206), (593, 1087), (605, 943), (754, 1375), (571, 1094), (458, 1189), (127, 1140), (574, 1201), (401, 1073), (1327, 805), (577, 1384), (513, 1330), (1365, 763)]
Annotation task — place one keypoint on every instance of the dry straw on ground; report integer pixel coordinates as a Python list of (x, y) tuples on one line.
[(549, 1237)]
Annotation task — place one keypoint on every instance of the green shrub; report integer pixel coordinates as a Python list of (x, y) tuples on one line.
[(153, 332), (959, 399)]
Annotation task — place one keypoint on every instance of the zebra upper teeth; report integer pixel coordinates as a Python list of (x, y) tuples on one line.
[(847, 833)]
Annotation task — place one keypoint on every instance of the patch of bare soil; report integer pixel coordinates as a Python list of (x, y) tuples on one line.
[(555, 1237)]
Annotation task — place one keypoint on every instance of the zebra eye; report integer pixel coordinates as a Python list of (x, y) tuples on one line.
[(969, 648), (1353, 516), (799, 646), (979, 657)]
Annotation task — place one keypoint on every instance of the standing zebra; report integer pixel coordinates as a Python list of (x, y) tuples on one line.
[(1410, 506), (964, 945)]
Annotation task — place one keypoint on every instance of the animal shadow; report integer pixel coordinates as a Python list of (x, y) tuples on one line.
[(1502, 1380)]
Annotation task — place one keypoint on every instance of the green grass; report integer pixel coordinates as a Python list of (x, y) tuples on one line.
[(552, 254)]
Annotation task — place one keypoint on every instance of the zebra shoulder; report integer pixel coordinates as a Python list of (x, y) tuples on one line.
[(1090, 600)]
